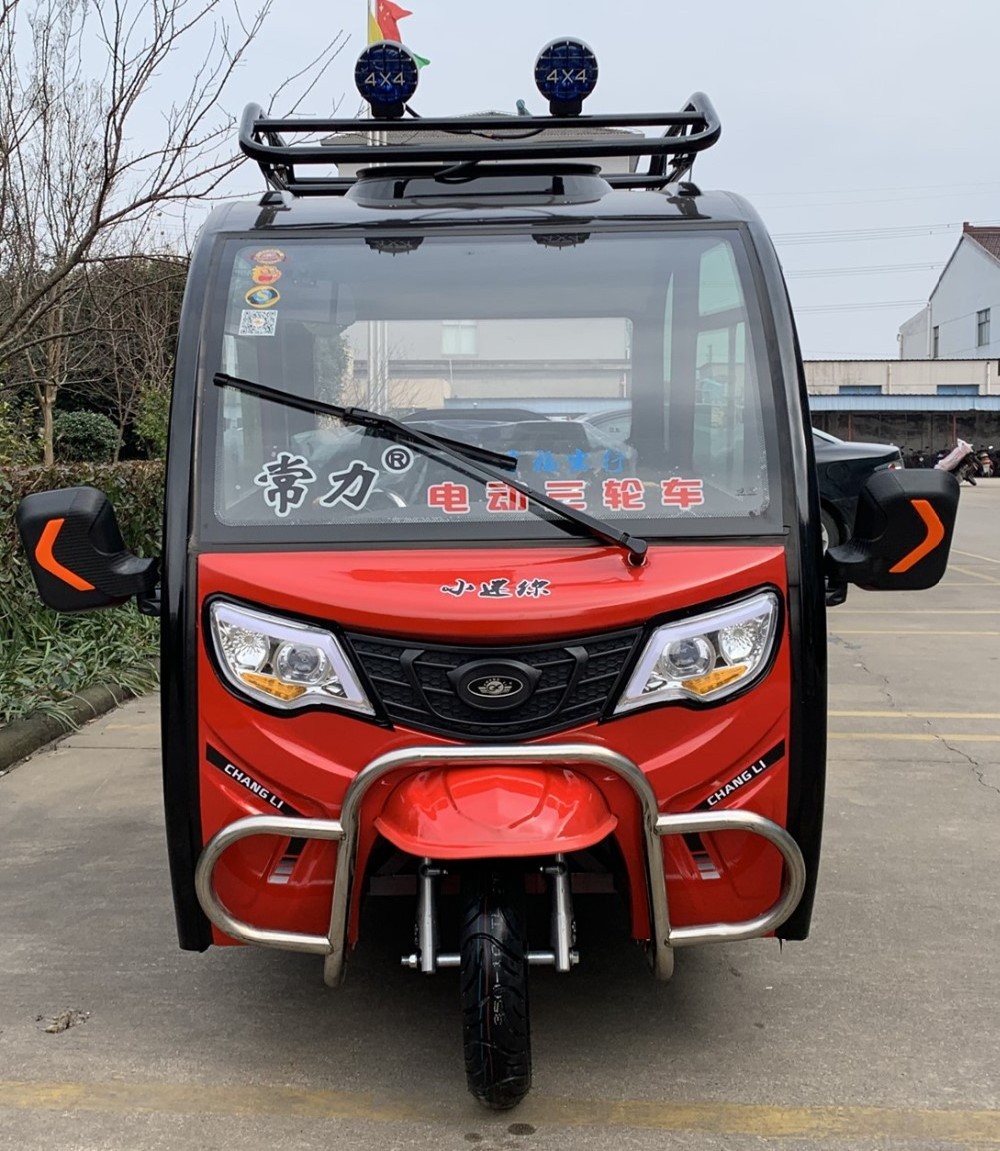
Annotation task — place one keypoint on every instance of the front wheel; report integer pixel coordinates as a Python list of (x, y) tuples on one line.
[(830, 530), (494, 972)]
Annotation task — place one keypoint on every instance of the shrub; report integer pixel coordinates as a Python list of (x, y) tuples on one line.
[(84, 437), (44, 656), (19, 439), (152, 419)]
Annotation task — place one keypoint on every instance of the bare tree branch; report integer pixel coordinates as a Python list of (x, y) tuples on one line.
[(78, 82)]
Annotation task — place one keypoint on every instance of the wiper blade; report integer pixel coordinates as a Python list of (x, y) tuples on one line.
[(473, 461), (366, 419)]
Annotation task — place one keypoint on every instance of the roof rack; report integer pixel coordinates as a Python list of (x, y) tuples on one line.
[(478, 139)]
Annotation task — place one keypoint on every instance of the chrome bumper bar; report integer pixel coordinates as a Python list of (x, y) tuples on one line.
[(344, 833)]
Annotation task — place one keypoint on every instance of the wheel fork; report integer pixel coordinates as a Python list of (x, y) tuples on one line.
[(562, 955)]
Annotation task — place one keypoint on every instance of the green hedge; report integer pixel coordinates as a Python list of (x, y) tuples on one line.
[(44, 656)]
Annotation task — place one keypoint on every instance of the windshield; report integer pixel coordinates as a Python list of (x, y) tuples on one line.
[(619, 369)]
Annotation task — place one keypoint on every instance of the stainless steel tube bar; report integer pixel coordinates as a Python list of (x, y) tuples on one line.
[(655, 826)]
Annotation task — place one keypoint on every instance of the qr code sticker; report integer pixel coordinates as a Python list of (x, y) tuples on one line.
[(258, 323)]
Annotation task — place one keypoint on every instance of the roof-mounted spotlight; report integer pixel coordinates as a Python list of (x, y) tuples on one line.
[(566, 74), (387, 76)]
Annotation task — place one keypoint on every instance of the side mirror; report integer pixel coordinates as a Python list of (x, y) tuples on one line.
[(902, 532), (76, 551)]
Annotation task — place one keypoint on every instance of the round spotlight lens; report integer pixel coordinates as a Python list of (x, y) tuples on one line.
[(740, 642), (387, 76), (302, 663), (566, 74), (245, 650), (687, 658)]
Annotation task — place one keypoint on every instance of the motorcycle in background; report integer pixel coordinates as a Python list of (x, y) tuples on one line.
[(962, 462)]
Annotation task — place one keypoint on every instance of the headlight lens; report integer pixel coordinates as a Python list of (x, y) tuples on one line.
[(282, 663), (705, 658)]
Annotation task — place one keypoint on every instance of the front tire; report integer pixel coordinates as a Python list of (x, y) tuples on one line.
[(830, 529), (494, 977)]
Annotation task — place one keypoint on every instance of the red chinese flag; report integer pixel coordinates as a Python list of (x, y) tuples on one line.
[(388, 14)]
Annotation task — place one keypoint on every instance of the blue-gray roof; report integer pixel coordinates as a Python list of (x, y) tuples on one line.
[(904, 403)]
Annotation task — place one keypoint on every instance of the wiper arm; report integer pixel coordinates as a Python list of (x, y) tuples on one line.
[(478, 463), (366, 419)]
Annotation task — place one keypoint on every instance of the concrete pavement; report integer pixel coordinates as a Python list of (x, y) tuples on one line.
[(881, 1031)]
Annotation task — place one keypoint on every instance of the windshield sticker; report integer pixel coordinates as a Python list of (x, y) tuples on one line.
[(450, 498), (353, 486), (286, 481), (499, 588), (501, 498), (569, 492), (262, 297), (545, 461), (265, 274), (268, 256), (258, 323), (683, 494), (626, 495), (397, 459)]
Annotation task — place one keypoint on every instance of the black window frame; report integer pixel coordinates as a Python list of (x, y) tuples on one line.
[(209, 531)]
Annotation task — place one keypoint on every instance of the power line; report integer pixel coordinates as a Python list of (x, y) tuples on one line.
[(849, 234), (864, 307), (952, 187), (860, 270)]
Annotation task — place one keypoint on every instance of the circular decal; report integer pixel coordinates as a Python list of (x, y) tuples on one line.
[(397, 459), (266, 274), (494, 685), (263, 297), (268, 256)]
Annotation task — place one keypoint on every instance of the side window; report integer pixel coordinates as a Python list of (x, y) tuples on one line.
[(726, 443)]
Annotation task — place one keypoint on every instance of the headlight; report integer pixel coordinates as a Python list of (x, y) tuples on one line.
[(282, 663), (707, 657)]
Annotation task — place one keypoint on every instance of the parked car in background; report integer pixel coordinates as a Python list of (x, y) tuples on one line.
[(843, 467)]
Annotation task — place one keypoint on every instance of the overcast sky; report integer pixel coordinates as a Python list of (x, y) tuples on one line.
[(872, 116)]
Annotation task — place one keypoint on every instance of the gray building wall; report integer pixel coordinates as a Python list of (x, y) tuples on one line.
[(969, 284)]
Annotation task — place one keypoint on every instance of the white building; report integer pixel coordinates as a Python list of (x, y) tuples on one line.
[(961, 320)]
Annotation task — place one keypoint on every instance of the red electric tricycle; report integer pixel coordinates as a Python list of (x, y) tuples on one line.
[(492, 569)]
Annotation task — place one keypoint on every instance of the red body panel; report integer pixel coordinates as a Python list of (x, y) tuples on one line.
[(469, 813), (306, 760)]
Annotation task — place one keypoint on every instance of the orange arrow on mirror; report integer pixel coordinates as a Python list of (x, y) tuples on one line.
[(46, 560), (935, 534)]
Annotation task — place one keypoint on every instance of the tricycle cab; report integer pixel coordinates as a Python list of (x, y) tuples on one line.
[(427, 625)]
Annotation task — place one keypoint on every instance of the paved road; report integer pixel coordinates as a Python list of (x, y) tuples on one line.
[(881, 1031)]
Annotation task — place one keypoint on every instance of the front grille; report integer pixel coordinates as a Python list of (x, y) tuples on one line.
[(576, 680)]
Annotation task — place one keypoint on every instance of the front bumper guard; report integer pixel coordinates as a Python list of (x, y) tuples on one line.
[(344, 831)]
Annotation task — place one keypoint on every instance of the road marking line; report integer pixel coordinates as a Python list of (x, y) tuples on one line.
[(974, 574), (975, 556), (137, 726), (912, 611), (913, 737), (915, 714), (945, 585), (971, 1128), (911, 631)]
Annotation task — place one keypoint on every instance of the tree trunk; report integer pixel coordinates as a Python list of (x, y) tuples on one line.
[(48, 405)]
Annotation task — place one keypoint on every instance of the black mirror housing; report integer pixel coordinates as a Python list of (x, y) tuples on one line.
[(902, 532), (76, 551)]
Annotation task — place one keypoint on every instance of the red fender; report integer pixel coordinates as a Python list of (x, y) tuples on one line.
[(476, 813)]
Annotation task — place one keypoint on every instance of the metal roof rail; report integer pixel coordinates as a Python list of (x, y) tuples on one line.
[(478, 139)]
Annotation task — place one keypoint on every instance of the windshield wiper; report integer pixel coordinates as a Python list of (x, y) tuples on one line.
[(366, 419), (475, 462)]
